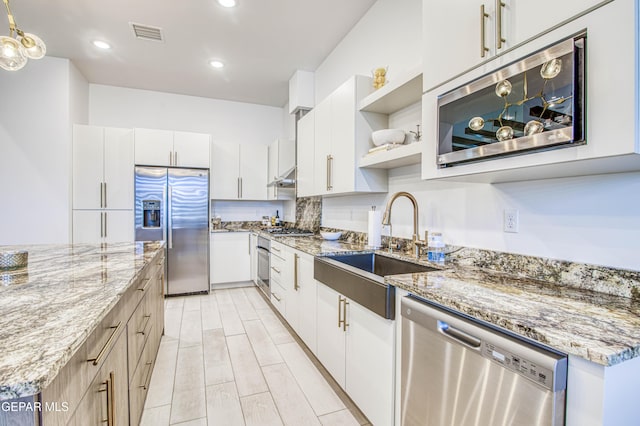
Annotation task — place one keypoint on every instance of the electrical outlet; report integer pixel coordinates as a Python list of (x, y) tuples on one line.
[(511, 222)]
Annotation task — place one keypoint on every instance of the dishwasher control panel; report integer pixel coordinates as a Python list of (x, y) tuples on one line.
[(518, 364)]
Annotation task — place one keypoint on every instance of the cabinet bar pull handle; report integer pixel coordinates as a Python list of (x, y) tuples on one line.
[(170, 158), (105, 224), (275, 269), (339, 311), (329, 172), (499, 39), (345, 324), (101, 195), (295, 272), (103, 351), (276, 296), (241, 187), (105, 194), (110, 392), (238, 187), (101, 224), (144, 287), (275, 249), (146, 323), (483, 15), (175, 158), (169, 218), (145, 384)]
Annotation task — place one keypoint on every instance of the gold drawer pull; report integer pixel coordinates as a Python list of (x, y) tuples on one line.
[(106, 346), (145, 384), (148, 317), (109, 388), (146, 284)]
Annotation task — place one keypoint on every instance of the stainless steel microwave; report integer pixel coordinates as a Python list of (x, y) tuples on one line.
[(537, 103)]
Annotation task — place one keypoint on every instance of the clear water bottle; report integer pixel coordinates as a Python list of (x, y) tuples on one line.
[(435, 250)]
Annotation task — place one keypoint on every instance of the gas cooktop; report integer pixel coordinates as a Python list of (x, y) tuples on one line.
[(288, 232)]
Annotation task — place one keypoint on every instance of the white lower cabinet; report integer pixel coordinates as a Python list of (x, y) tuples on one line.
[(102, 226), (253, 250), (230, 257), (301, 299), (356, 346)]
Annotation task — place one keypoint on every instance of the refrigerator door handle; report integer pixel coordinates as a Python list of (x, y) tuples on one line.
[(164, 212), (169, 221)]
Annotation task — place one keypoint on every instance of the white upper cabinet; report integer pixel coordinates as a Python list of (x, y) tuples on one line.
[(458, 36), (238, 172), (166, 148), (191, 149), (305, 155), (153, 147), (609, 148), (225, 165), (102, 168), (286, 155), (253, 172), (341, 138)]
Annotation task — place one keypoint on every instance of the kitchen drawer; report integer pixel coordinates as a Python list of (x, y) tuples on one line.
[(74, 379), (139, 328), (139, 385), (277, 249), (278, 297)]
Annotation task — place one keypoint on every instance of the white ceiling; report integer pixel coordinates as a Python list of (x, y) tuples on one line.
[(262, 42)]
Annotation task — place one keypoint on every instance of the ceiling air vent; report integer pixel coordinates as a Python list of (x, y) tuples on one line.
[(146, 32)]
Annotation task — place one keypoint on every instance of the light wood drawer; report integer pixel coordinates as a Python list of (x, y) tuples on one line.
[(139, 329), (139, 385)]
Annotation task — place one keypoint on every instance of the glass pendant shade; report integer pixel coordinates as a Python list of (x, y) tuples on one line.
[(504, 133), (33, 46), (533, 127), (476, 123), (551, 69), (503, 88), (12, 54)]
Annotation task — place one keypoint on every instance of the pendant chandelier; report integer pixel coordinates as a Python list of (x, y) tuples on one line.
[(18, 46)]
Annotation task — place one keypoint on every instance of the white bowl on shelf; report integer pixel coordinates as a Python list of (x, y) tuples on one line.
[(331, 236), (387, 136)]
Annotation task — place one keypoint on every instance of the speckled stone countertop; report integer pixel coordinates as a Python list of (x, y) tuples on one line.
[(602, 328), (49, 309)]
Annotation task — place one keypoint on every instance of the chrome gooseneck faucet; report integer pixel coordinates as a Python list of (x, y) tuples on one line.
[(386, 220)]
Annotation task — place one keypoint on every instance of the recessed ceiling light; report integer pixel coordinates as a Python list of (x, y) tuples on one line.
[(216, 64), (101, 44), (227, 3)]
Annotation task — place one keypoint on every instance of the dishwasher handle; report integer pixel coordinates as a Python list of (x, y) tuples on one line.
[(459, 335)]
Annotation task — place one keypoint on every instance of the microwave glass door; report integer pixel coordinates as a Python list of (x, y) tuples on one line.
[(533, 104)]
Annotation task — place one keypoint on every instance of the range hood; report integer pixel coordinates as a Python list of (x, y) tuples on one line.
[(286, 180)]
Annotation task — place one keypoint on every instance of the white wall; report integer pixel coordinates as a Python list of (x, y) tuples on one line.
[(35, 150), (225, 121), (591, 219), (389, 35)]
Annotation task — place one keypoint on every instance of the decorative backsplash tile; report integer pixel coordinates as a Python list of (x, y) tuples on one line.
[(309, 213)]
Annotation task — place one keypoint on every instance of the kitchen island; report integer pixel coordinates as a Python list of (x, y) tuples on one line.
[(63, 315)]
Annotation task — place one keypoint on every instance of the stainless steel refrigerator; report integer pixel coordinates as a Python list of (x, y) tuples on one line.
[(172, 204)]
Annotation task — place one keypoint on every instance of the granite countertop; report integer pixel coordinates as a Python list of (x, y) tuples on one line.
[(48, 310), (599, 327)]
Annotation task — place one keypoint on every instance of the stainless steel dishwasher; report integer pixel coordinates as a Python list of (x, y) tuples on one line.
[(457, 372)]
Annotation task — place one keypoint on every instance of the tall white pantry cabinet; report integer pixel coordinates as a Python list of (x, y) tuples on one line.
[(102, 184)]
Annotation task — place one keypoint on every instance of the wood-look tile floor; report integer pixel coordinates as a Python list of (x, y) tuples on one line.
[(227, 359)]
